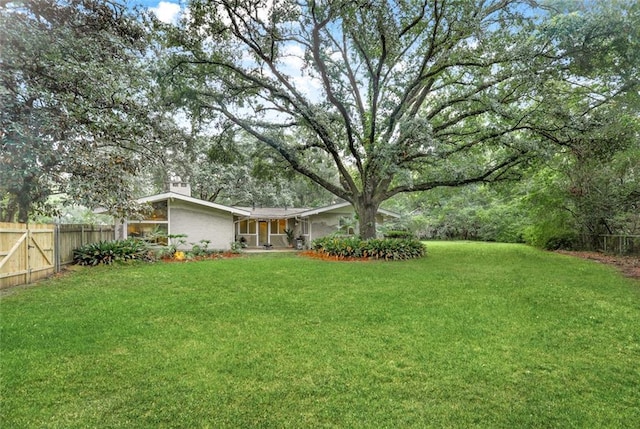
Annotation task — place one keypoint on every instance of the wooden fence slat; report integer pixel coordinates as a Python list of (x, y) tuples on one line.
[(42, 252), (13, 249), (14, 273), (46, 248)]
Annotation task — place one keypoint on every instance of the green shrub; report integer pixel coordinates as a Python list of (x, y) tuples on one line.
[(353, 247), (237, 247), (341, 247), (200, 249), (108, 252), (561, 242), (406, 235), (550, 236), (393, 249)]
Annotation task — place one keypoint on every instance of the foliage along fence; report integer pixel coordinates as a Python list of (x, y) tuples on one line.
[(30, 252), (70, 237)]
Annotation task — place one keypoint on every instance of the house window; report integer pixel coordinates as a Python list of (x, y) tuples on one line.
[(247, 227), (278, 226), (155, 226), (149, 231), (304, 226), (158, 211)]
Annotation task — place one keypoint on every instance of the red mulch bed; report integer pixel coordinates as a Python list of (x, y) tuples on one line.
[(628, 265), (323, 256), (225, 255)]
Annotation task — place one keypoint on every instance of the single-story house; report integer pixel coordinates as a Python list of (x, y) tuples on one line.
[(177, 213)]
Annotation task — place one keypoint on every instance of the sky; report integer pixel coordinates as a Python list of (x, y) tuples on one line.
[(166, 11)]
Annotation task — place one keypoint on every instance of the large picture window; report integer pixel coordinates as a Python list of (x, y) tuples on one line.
[(159, 212), (155, 226), (152, 232)]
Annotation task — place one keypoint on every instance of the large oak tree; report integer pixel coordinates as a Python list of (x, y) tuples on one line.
[(396, 96)]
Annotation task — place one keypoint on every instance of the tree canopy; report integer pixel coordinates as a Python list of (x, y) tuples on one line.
[(395, 96), (78, 114)]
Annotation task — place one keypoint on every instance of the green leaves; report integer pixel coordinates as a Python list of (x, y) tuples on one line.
[(601, 39), (78, 109), (108, 252), (389, 249)]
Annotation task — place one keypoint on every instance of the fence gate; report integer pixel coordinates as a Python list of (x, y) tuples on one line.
[(26, 253)]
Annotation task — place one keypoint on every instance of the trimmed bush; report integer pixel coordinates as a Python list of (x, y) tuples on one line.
[(108, 252), (353, 247), (406, 235)]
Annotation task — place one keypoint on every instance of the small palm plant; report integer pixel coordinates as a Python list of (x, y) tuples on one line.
[(290, 236)]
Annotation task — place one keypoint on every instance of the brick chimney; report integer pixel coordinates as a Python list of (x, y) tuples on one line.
[(180, 188)]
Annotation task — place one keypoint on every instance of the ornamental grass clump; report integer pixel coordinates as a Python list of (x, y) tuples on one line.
[(108, 252), (355, 248)]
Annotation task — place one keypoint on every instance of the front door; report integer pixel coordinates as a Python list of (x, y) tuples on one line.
[(263, 233)]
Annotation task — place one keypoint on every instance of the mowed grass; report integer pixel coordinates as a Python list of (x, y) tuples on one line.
[(474, 335)]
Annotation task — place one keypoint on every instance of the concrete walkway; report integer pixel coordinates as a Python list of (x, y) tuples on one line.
[(275, 250)]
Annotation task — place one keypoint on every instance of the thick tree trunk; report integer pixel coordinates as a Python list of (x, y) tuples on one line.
[(367, 211), (9, 213), (23, 213), (24, 198)]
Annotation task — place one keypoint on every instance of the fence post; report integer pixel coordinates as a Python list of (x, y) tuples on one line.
[(621, 245), (56, 247), (28, 255)]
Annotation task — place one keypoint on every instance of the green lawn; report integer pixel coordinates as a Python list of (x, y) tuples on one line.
[(474, 335)]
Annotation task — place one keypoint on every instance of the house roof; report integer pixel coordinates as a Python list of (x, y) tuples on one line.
[(256, 213), (286, 213), (339, 206), (175, 196), (273, 212)]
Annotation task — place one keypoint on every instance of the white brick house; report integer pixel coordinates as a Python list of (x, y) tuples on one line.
[(177, 213)]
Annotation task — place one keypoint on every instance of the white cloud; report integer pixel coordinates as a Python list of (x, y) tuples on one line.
[(264, 10), (292, 57), (166, 12), (309, 86)]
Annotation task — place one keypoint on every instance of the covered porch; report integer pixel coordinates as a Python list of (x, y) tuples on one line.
[(272, 229)]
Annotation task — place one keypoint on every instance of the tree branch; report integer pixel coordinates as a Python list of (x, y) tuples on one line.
[(288, 155), (493, 174), (326, 81)]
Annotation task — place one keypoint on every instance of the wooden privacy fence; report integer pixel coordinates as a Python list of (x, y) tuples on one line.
[(32, 252), (26, 253), (70, 237)]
